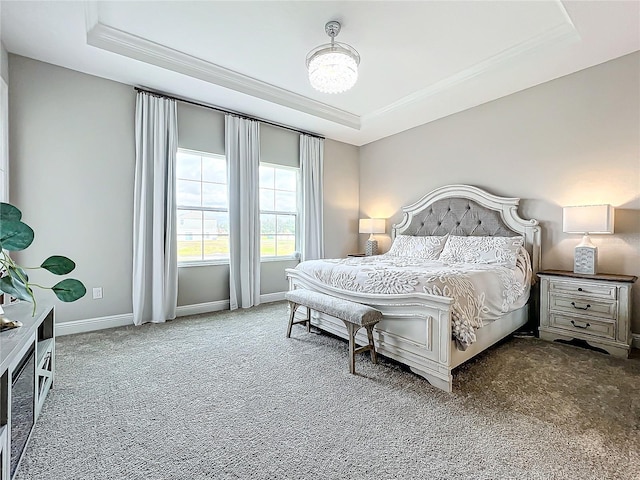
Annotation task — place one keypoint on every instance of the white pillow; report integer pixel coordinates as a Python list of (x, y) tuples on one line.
[(428, 248), (488, 250)]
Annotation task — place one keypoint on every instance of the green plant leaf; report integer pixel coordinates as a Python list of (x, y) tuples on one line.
[(58, 265), (9, 212), (15, 288), (15, 235), (69, 290), (18, 274)]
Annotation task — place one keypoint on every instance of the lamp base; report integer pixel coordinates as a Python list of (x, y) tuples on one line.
[(371, 247), (585, 259)]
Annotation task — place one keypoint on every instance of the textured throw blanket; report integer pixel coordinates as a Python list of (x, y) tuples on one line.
[(481, 293)]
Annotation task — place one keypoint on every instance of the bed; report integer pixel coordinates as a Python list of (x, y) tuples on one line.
[(422, 327)]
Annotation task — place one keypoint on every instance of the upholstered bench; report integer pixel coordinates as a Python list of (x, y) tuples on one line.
[(354, 315)]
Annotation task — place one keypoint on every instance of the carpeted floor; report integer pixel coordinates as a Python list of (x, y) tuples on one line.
[(226, 396)]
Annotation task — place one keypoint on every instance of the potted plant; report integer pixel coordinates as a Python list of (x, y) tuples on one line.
[(15, 235)]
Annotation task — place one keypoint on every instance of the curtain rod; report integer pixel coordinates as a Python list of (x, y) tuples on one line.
[(223, 110)]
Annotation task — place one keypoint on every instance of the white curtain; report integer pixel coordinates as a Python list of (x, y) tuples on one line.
[(242, 145), (311, 160), (4, 142), (155, 267)]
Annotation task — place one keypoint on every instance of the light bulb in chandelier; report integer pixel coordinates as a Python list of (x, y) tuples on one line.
[(333, 67)]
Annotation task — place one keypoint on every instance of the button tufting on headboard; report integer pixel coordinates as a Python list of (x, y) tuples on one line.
[(468, 210), (459, 216)]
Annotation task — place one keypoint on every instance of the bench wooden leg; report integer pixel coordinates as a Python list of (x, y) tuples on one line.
[(374, 355), (293, 307), (351, 330)]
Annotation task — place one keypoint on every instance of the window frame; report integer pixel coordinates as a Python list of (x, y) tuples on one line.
[(210, 261), (296, 253)]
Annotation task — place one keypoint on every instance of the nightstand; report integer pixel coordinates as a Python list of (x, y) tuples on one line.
[(594, 308)]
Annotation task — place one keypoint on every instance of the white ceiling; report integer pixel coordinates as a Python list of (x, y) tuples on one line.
[(420, 60)]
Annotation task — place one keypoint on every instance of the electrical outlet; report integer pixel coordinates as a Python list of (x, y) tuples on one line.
[(97, 293)]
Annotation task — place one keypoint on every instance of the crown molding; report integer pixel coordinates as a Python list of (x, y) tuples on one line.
[(560, 33), (91, 15), (117, 41), (120, 42)]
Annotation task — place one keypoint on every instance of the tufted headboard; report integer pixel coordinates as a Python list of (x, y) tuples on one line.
[(465, 210)]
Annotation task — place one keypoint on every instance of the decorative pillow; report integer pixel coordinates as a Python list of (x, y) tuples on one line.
[(523, 263), (492, 250), (428, 248)]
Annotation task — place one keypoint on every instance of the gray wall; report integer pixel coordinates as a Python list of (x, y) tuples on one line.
[(4, 64), (571, 141), (72, 168), (4, 56), (341, 198)]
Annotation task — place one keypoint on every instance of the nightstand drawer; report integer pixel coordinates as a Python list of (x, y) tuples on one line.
[(577, 305), (594, 308), (583, 288), (584, 326)]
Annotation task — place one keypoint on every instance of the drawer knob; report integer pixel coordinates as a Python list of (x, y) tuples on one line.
[(580, 326), (579, 289), (580, 308)]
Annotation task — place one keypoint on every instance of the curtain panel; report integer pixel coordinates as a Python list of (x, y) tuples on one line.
[(155, 267), (242, 145), (4, 141), (311, 166)]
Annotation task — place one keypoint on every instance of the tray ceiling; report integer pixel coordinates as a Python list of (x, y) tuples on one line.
[(420, 60)]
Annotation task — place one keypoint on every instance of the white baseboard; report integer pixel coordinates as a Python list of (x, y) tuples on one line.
[(199, 308), (208, 307), (91, 324), (635, 342), (100, 323), (272, 297)]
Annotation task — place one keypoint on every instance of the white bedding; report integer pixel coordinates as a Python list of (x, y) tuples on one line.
[(481, 293)]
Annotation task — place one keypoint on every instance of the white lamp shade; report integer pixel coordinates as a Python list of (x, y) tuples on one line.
[(588, 219), (372, 225)]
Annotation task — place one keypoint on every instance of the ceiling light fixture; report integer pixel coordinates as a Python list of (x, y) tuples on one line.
[(333, 67)]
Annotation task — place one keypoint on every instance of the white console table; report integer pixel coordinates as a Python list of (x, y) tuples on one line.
[(37, 335)]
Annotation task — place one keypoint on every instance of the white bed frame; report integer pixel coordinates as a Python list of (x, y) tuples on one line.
[(416, 328)]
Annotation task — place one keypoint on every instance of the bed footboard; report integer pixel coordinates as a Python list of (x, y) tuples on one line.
[(415, 328)]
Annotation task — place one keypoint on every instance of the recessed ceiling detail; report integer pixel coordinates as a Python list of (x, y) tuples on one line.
[(433, 60), (559, 34), (123, 43)]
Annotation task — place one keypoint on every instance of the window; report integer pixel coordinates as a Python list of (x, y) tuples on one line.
[(203, 207), (278, 211)]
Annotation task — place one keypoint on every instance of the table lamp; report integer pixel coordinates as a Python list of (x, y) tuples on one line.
[(371, 226), (587, 219)]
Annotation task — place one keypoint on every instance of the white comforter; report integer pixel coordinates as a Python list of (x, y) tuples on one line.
[(481, 293)]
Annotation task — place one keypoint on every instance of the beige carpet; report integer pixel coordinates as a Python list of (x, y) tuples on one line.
[(227, 396)]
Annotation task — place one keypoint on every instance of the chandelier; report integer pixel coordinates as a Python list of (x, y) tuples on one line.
[(333, 67)]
